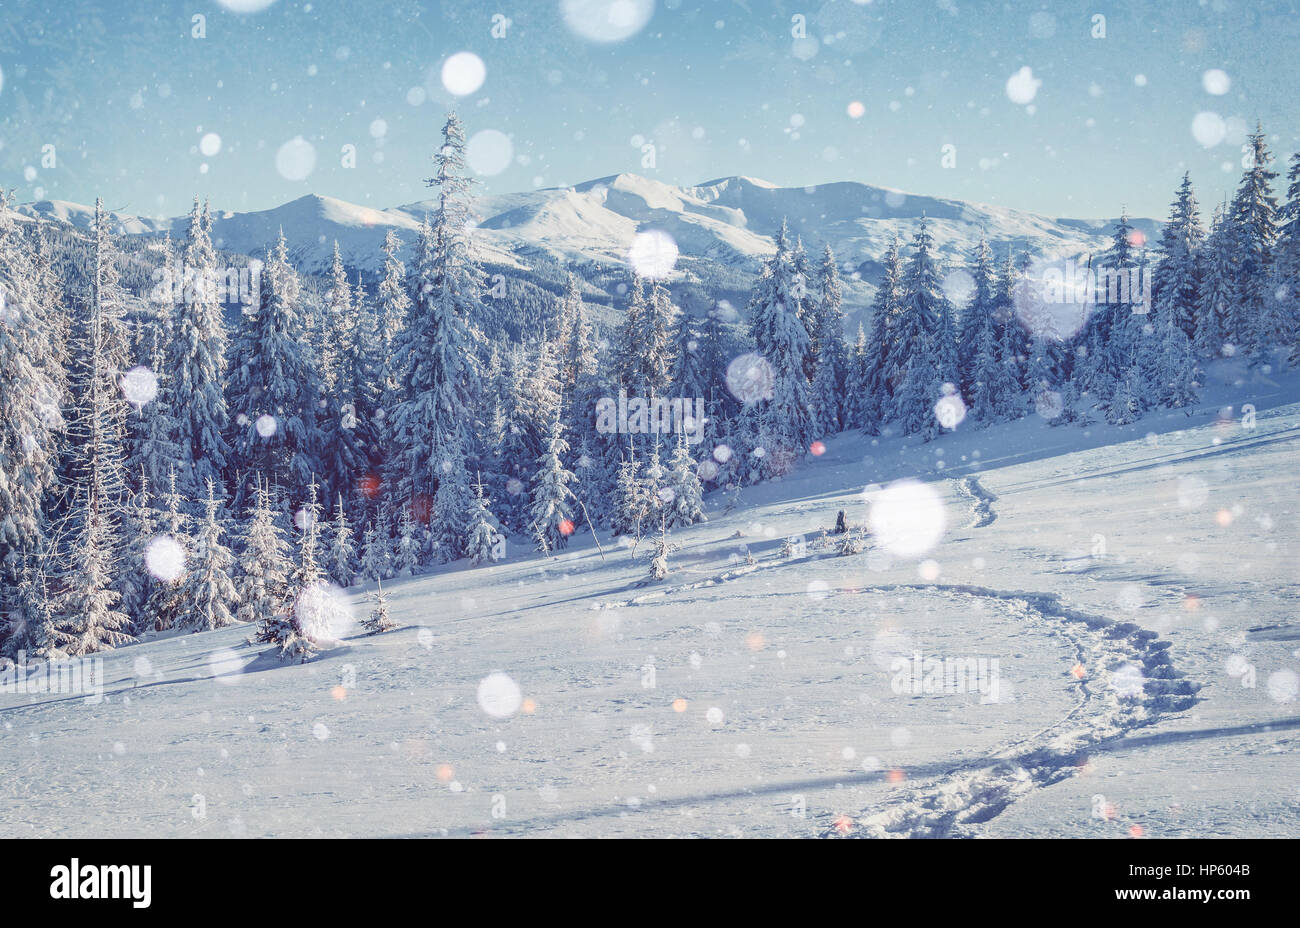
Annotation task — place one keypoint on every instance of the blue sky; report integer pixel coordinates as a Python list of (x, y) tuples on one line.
[(127, 96)]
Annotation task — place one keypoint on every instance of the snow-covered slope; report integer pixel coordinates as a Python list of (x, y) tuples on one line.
[(1136, 585), (727, 222)]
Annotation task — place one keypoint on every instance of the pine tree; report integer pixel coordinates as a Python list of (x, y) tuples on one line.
[(451, 504), (1174, 281), (687, 506), (484, 532), (1286, 267), (864, 399), (89, 619), (831, 377), (1110, 350), (297, 632), (1253, 217), (630, 505), (656, 344), (1175, 368), (394, 304), (342, 552), (805, 307), (631, 333), (408, 545), (782, 341), (31, 420), (34, 629), (166, 606), (995, 394), (379, 621), (552, 510), (659, 556), (97, 416), (275, 384), (197, 365), (377, 553), (578, 352), (152, 449), (344, 444), (925, 346), (1125, 404), (1215, 299), (654, 486), (437, 350), (208, 590), (977, 316), (687, 375), (882, 375), (264, 567), (135, 585)]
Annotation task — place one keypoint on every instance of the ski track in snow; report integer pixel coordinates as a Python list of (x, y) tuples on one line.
[(982, 514), (954, 805)]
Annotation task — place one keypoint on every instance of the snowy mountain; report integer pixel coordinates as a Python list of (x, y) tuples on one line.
[(722, 227)]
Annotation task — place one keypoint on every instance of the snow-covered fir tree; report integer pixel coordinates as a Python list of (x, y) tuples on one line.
[(407, 550), (687, 504), (1215, 299), (1251, 321), (451, 503), (879, 375), (31, 420), (377, 552), (196, 365), (437, 350), (379, 620), (787, 421), (274, 384), (262, 587), (923, 357), (89, 617), (208, 589), (630, 504), (1286, 261), (626, 361), (342, 555), (343, 456), (830, 381), (392, 307), (484, 541), (1174, 280), (552, 495)]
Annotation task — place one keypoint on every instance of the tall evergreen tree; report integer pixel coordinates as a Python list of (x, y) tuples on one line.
[(208, 590), (438, 351), (1175, 281), (197, 365), (31, 421), (274, 384), (1253, 215), (342, 557), (1214, 302), (925, 346), (262, 587), (552, 495), (483, 529), (631, 334), (782, 341), (687, 505), (89, 614), (1286, 267), (830, 379), (394, 304)]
